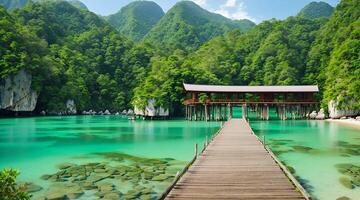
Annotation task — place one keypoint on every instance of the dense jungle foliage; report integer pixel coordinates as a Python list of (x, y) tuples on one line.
[(115, 64)]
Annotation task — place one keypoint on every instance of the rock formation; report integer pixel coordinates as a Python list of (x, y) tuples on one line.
[(16, 93), (336, 113), (71, 107), (320, 115), (313, 115), (152, 111)]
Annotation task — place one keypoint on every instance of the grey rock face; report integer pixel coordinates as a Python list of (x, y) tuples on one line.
[(16, 93), (336, 113), (71, 107), (313, 115), (321, 115)]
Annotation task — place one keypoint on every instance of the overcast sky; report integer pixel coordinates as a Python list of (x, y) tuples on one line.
[(255, 10)]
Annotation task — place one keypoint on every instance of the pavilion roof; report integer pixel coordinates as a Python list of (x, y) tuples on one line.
[(249, 89)]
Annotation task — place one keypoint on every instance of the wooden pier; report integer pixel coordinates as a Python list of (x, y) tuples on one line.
[(235, 165)]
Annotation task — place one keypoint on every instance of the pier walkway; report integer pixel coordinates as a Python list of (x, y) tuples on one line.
[(236, 165)]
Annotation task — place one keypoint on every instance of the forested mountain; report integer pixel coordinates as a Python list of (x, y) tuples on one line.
[(290, 52), (12, 4), (78, 4), (316, 10), (136, 19), (73, 54), (334, 59), (86, 59), (20, 48), (187, 26)]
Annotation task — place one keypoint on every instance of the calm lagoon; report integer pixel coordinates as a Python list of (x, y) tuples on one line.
[(140, 158), (145, 154), (324, 156)]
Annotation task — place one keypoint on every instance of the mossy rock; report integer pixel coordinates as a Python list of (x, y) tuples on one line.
[(343, 198), (111, 196), (356, 181), (302, 149), (291, 169), (46, 177), (346, 182), (31, 187), (279, 152), (65, 165), (146, 197), (161, 177), (132, 194)]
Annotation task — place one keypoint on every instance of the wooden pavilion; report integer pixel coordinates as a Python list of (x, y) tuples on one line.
[(216, 102)]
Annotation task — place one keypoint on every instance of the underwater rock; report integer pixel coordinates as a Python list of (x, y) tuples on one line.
[(132, 194), (87, 185), (346, 182), (343, 198), (161, 177), (112, 196), (60, 191), (102, 179), (146, 197), (302, 149), (96, 178), (31, 187), (291, 169), (105, 186), (46, 177), (64, 165)]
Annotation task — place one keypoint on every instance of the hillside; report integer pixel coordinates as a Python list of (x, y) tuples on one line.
[(86, 61), (73, 54), (294, 51), (13, 4), (334, 59), (136, 19), (187, 26), (316, 10)]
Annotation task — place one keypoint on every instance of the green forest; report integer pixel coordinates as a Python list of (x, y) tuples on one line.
[(141, 53)]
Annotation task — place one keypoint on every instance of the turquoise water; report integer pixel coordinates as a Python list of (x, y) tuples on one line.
[(325, 156), (35, 146)]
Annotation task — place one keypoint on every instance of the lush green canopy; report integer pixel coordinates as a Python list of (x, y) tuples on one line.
[(75, 54)]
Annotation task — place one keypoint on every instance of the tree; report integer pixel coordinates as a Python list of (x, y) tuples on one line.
[(9, 190)]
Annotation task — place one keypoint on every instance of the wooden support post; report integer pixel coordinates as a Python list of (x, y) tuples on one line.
[(206, 113), (244, 111), (196, 150), (230, 111)]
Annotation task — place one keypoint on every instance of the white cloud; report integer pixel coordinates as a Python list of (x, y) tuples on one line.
[(234, 9), (201, 2), (230, 3)]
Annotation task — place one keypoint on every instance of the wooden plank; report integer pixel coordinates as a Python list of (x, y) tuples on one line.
[(235, 165)]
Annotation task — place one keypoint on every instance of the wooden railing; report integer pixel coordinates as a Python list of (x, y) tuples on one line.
[(251, 101), (181, 173)]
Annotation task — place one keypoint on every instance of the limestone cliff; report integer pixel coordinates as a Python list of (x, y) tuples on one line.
[(16, 93), (152, 111), (336, 113)]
